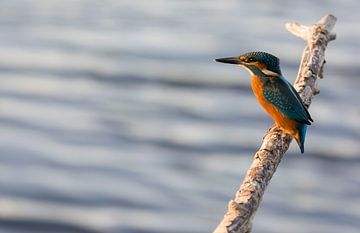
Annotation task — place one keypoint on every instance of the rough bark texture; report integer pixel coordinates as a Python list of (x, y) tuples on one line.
[(276, 142)]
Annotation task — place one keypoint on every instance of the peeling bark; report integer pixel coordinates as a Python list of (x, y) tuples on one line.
[(276, 142)]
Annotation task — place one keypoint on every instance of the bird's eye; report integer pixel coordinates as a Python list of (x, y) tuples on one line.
[(251, 59)]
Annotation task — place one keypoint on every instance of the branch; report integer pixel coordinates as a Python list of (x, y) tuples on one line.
[(276, 142)]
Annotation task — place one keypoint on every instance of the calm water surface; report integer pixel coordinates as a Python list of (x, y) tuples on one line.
[(115, 119)]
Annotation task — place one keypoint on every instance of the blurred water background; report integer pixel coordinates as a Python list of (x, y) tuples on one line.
[(114, 117)]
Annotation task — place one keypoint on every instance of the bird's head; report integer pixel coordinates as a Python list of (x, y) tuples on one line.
[(256, 62)]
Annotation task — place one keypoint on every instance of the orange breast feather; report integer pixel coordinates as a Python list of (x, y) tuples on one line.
[(289, 126)]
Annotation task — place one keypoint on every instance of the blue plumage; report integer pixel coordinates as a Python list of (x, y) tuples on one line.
[(272, 62), (302, 131), (284, 97), (279, 92), (278, 97)]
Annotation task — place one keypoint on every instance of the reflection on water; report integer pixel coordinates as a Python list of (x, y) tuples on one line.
[(114, 118)]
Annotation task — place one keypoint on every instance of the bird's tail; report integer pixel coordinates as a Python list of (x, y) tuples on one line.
[(300, 136)]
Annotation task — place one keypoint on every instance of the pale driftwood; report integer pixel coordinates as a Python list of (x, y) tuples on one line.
[(276, 142)]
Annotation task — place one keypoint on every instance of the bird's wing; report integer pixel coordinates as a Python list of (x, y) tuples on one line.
[(300, 100), (284, 97)]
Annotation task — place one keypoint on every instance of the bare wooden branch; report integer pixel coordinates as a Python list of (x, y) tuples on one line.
[(275, 143)]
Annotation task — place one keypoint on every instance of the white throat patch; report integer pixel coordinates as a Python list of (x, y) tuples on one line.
[(247, 68)]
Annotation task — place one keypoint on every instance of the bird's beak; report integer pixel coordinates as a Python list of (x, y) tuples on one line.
[(230, 60)]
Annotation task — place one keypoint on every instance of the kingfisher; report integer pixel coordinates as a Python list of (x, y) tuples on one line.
[(274, 93)]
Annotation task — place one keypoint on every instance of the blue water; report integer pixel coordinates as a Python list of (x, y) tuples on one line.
[(115, 119)]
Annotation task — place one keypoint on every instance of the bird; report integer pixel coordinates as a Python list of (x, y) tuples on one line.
[(274, 93)]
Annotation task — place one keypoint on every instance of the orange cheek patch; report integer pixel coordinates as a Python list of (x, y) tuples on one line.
[(261, 66)]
